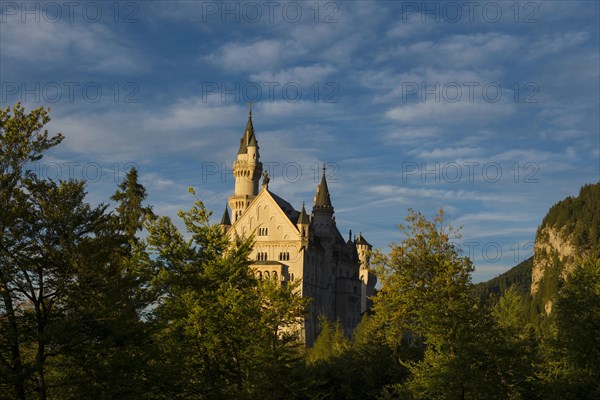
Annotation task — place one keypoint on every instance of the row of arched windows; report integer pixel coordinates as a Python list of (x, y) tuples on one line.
[(262, 256), (267, 275)]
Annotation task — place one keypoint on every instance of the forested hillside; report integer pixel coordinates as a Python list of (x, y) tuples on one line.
[(518, 276), (578, 218), (90, 309)]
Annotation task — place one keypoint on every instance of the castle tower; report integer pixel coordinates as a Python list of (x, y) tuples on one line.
[(247, 170), (367, 278), (322, 211), (303, 225)]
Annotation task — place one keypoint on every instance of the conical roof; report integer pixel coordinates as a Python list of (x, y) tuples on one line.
[(249, 139), (322, 198), (225, 220), (303, 218)]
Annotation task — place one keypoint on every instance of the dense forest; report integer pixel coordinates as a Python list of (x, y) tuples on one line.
[(578, 218), (91, 310), (518, 277)]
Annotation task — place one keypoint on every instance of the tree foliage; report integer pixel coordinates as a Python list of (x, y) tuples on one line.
[(224, 334)]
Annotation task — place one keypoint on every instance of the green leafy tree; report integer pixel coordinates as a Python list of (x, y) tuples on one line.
[(518, 352), (572, 367), (30, 283), (339, 368), (223, 333), (425, 303), (109, 350), (70, 313)]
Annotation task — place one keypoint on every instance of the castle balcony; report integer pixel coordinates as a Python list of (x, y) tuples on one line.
[(273, 270)]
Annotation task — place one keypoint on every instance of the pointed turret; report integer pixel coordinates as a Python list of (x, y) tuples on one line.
[(303, 218), (322, 196), (225, 220), (360, 241), (322, 213), (303, 222), (248, 139), (247, 170)]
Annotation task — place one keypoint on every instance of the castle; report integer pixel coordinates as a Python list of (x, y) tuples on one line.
[(291, 245)]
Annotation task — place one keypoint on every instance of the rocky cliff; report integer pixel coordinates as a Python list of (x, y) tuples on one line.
[(570, 230)]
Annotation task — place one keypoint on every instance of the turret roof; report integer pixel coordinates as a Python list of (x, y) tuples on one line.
[(249, 139), (361, 240), (322, 198), (303, 218), (225, 220)]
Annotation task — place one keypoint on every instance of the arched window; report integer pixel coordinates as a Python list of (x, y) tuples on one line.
[(274, 275), (267, 275), (259, 275)]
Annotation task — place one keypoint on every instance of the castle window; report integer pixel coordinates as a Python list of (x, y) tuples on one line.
[(274, 275), (261, 256), (263, 231), (284, 256), (292, 277)]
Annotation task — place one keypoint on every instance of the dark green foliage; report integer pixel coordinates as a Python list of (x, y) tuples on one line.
[(222, 333), (572, 368), (518, 276), (578, 218)]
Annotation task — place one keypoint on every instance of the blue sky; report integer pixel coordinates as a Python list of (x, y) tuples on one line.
[(489, 110)]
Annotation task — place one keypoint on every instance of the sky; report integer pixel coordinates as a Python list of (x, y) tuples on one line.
[(489, 110)]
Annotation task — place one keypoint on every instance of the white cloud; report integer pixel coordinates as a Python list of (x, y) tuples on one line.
[(46, 45), (254, 56), (473, 50), (448, 153), (450, 113), (556, 44), (304, 76)]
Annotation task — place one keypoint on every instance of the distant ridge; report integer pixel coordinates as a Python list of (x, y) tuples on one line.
[(519, 276)]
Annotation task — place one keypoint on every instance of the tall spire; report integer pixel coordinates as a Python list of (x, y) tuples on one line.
[(322, 197), (249, 139), (225, 220), (247, 169)]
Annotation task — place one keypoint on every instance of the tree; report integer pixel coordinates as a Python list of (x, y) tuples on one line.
[(108, 350), (518, 351), (425, 303), (226, 334), (131, 214), (32, 273), (71, 292), (356, 369), (572, 367)]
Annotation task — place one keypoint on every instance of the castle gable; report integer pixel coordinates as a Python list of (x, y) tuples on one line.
[(268, 217)]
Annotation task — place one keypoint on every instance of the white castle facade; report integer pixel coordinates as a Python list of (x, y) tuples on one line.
[(291, 245)]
